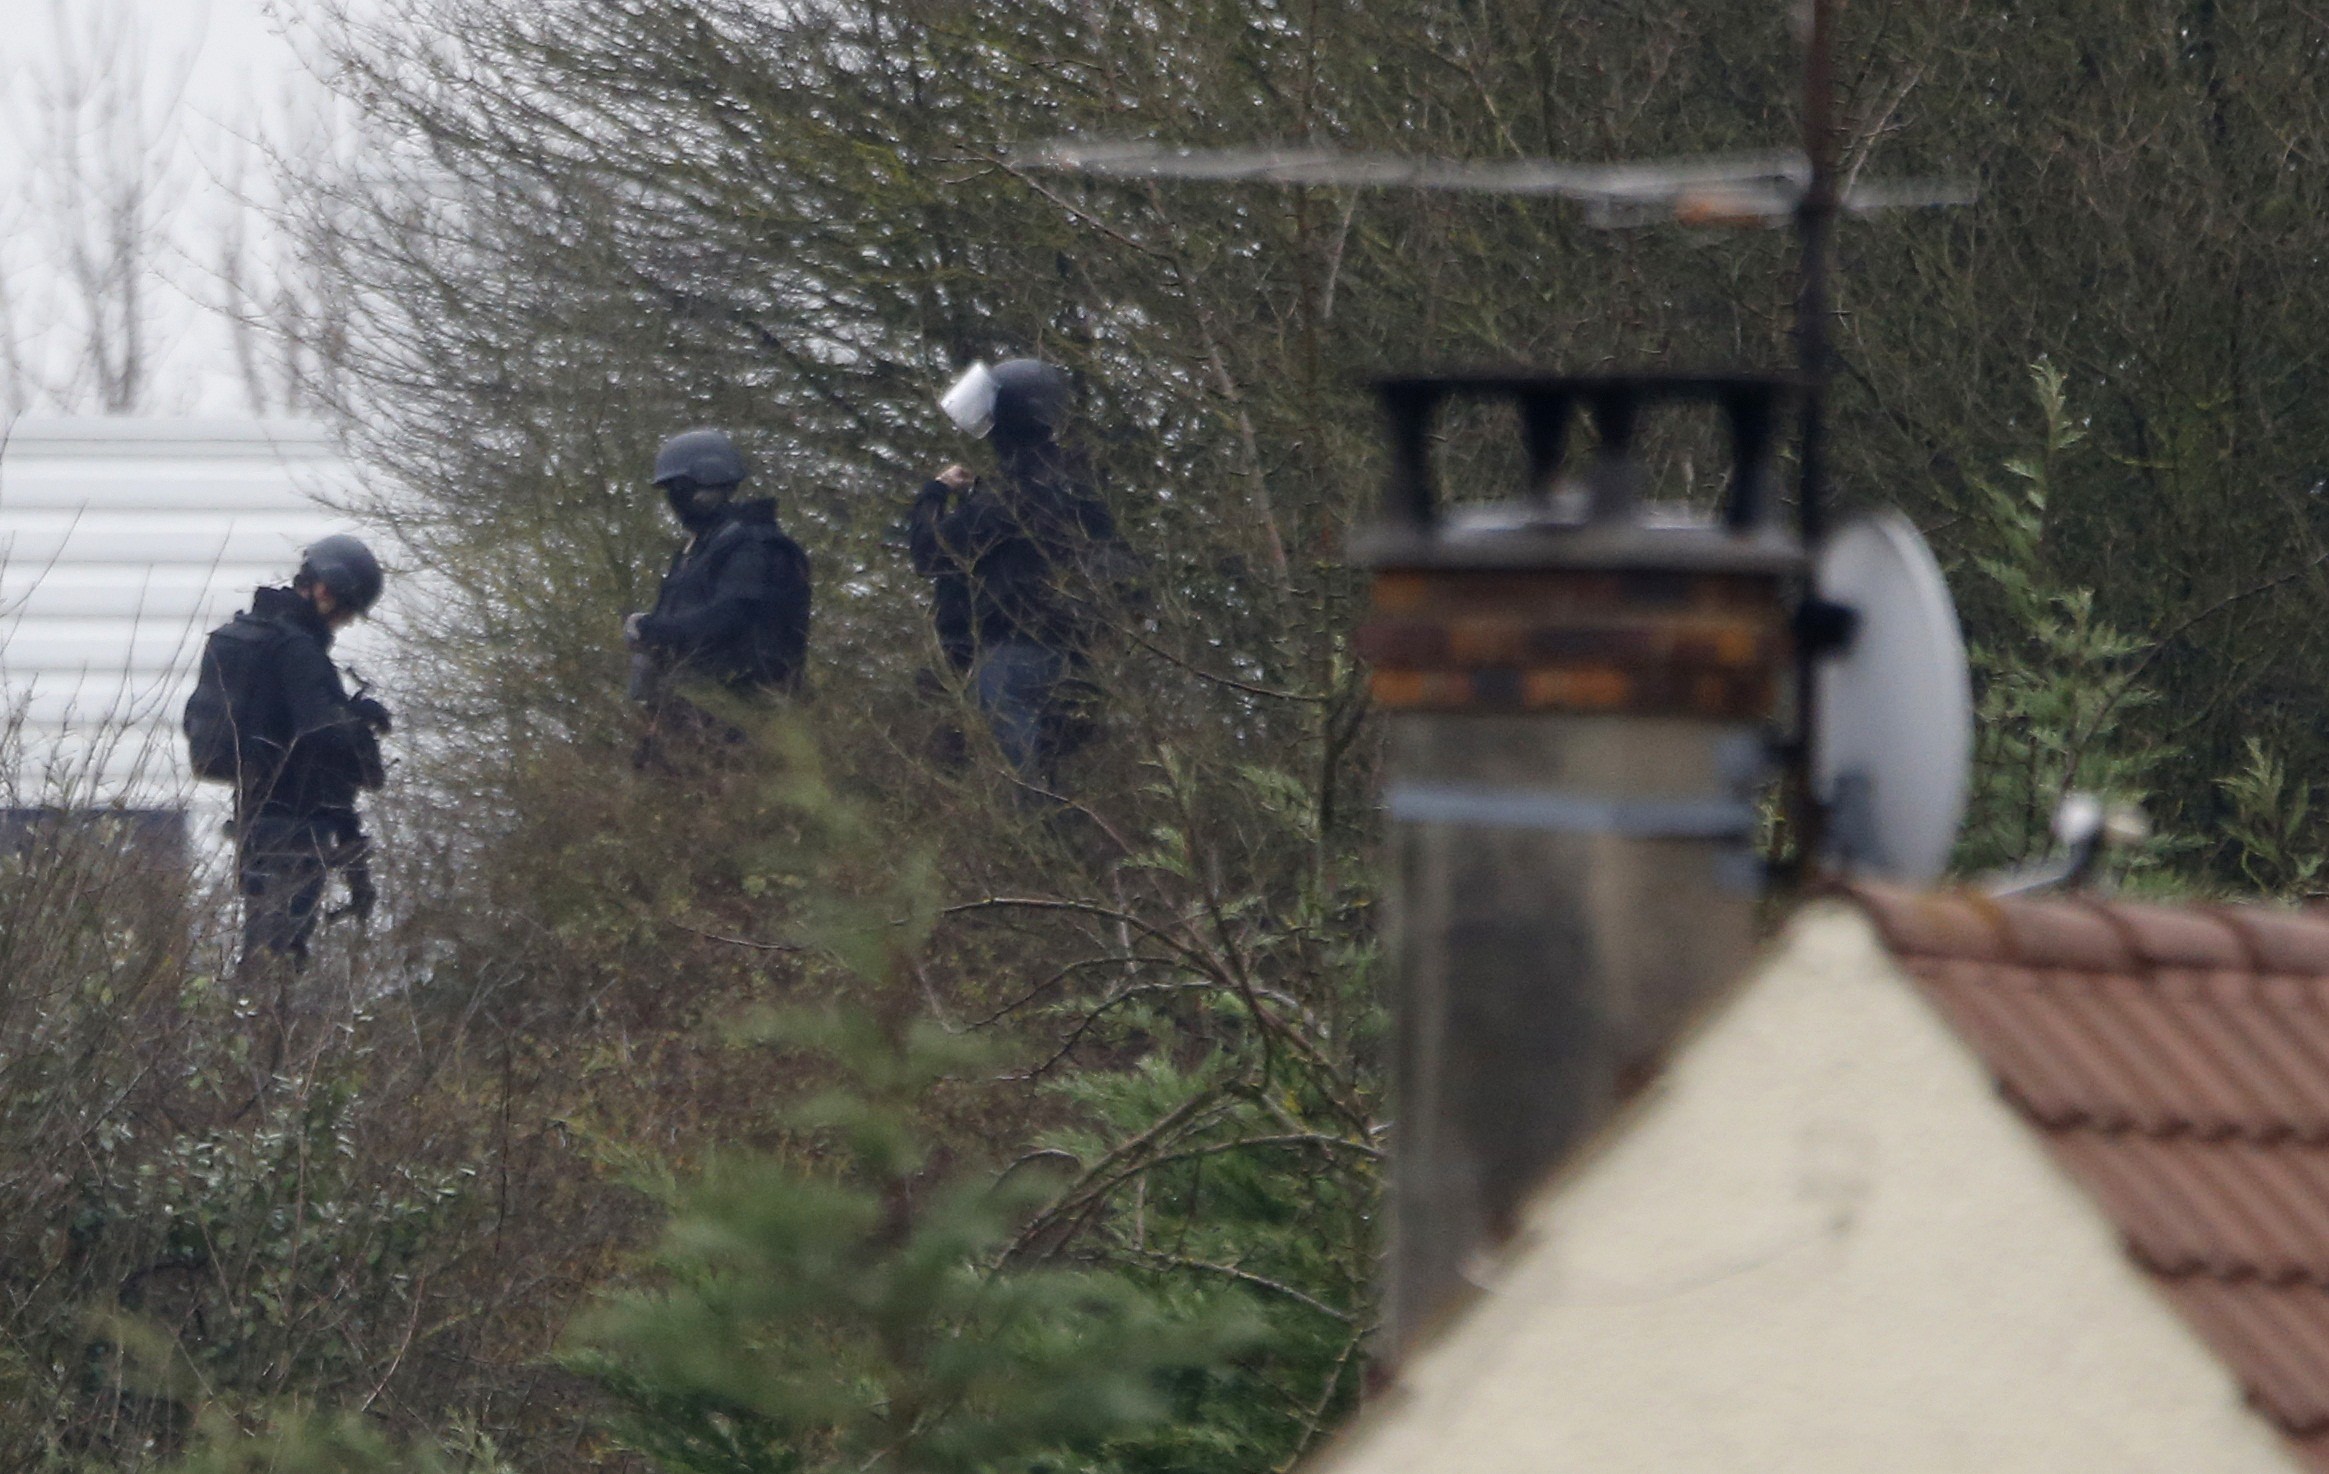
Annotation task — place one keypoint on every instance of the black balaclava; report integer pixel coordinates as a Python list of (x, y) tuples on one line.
[(698, 507)]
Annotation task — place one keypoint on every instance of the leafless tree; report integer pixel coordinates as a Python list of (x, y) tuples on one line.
[(285, 324), (127, 247), (107, 189)]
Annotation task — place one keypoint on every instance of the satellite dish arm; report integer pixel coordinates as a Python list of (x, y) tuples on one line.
[(2086, 830)]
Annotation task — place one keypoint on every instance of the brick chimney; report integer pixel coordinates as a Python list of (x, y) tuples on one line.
[(1580, 693)]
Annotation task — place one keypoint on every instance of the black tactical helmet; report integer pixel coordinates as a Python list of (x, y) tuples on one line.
[(1031, 399), (346, 567), (705, 458)]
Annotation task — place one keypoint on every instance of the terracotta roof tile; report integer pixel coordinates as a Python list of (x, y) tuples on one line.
[(2225, 1208), (2257, 1055), (2069, 934), (2163, 936), (2042, 1078), (2176, 1062), (2289, 942), (2276, 1338), (1952, 924)]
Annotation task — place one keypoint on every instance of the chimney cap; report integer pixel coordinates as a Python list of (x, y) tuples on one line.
[(1547, 406)]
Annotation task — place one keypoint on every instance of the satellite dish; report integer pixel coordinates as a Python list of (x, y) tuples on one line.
[(1894, 753)]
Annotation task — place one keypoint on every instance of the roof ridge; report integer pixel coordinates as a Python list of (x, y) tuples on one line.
[(2084, 932), (2229, 914)]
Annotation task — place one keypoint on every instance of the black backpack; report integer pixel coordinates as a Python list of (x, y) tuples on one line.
[(233, 717)]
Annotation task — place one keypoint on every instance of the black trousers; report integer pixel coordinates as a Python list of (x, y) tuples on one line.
[(281, 866)]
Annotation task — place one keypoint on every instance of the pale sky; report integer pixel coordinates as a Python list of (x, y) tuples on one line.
[(218, 73)]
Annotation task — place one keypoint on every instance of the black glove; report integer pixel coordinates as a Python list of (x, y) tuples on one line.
[(371, 768), (372, 714), (362, 894)]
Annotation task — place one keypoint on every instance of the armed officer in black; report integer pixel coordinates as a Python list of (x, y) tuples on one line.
[(733, 610), (303, 747), (1015, 564)]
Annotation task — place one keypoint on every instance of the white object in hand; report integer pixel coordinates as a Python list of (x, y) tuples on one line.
[(971, 402)]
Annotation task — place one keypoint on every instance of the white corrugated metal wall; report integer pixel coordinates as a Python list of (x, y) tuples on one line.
[(123, 541)]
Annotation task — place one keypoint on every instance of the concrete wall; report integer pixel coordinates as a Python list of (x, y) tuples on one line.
[(1821, 1244)]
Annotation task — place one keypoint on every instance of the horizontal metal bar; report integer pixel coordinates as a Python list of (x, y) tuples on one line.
[(1556, 812), (1779, 169)]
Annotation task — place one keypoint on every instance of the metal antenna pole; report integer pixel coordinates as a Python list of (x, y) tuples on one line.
[(1815, 218)]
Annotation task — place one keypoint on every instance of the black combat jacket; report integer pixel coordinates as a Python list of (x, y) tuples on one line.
[(329, 753), (1012, 560), (734, 606)]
